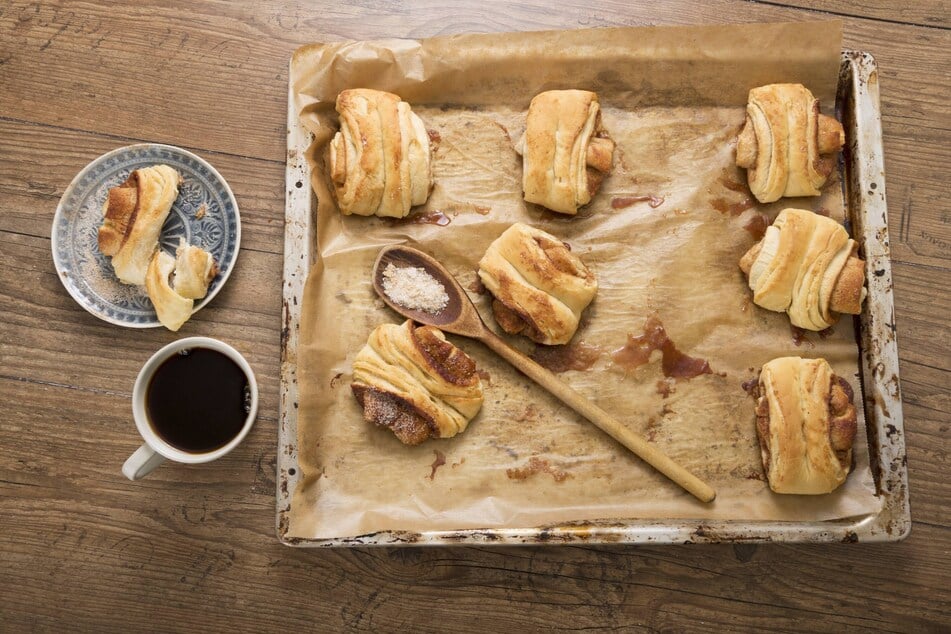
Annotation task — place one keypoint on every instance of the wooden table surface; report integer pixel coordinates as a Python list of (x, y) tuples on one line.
[(194, 547)]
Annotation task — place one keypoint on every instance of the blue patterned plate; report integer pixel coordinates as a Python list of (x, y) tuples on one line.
[(205, 214)]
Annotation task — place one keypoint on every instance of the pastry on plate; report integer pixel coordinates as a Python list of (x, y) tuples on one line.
[(412, 381), (566, 152), (540, 287), (380, 160), (806, 424), (787, 147), (173, 284), (194, 270), (806, 265), (172, 309), (134, 213)]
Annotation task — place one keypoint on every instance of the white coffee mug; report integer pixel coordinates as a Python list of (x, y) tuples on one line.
[(155, 451)]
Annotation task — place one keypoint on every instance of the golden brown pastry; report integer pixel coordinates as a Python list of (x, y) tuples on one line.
[(806, 423), (380, 160), (172, 309), (194, 270), (134, 213), (787, 147), (414, 382), (540, 287), (566, 152), (806, 266)]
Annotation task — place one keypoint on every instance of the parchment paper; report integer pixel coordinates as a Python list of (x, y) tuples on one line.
[(674, 100)]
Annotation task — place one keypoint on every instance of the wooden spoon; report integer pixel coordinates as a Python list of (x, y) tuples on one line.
[(460, 317)]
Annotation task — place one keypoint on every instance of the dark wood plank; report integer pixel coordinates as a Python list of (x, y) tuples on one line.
[(930, 13)]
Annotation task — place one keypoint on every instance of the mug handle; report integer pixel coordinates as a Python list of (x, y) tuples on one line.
[(142, 463)]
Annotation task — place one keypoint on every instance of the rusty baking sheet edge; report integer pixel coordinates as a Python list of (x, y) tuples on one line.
[(858, 104)]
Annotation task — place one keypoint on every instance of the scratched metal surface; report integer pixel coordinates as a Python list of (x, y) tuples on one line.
[(858, 108)]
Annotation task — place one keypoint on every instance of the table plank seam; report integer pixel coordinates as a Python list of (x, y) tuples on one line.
[(196, 150), (853, 16)]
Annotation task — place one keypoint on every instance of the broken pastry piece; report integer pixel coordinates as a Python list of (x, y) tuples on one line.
[(134, 213), (540, 287), (380, 160), (412, 381), (806, 424), (806, 265), (566, 152), (172, 309), (194, 270), (173, 284), (787, 147)]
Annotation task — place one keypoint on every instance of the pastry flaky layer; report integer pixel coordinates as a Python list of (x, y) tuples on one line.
[(806, 424), (134, 213), (787, 147), (412, 381), (540, 287), (566, 152), (173, 284), (806, 266), (380, 160)]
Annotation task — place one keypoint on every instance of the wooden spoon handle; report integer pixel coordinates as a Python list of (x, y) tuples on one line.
[(604, 421)]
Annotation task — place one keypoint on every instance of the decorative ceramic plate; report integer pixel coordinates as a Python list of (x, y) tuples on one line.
[(205, 214)]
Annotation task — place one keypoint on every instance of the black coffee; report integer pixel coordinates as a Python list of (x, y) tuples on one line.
[(198, 400)]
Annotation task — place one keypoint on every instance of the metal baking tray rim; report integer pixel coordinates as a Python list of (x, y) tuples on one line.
[(857, 105)]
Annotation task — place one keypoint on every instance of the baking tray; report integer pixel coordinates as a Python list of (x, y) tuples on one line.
[(857, 105)]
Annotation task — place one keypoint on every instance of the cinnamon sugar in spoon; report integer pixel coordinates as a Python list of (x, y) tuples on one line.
[(460, 317)]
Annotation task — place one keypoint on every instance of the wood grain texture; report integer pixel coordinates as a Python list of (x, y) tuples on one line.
[(190, 547)]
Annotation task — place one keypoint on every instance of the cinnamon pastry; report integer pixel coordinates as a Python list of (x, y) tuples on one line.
[(787, 147), (806, 423), (380, 159), (566, 152), (172, 309), (194, 270), (540, 287), (806, 265), (414, 382), (134, 213)]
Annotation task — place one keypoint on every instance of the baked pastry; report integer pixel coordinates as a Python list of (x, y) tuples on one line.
[(786, 146), (805, 421), (806, 265), (566, 152), (172, 309), (380, 160), (194, 270), (539, 286), (134, 213), (414, 382)]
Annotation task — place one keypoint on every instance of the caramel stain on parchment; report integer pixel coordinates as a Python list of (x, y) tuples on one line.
[(529, 414), (724, 206), (799, 336), (734, 185), (438, 462), (620, 202), (434, 217), (536, 465), (756, 226), (477, 286), (665, 387), (572, 356), (675, 364)]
